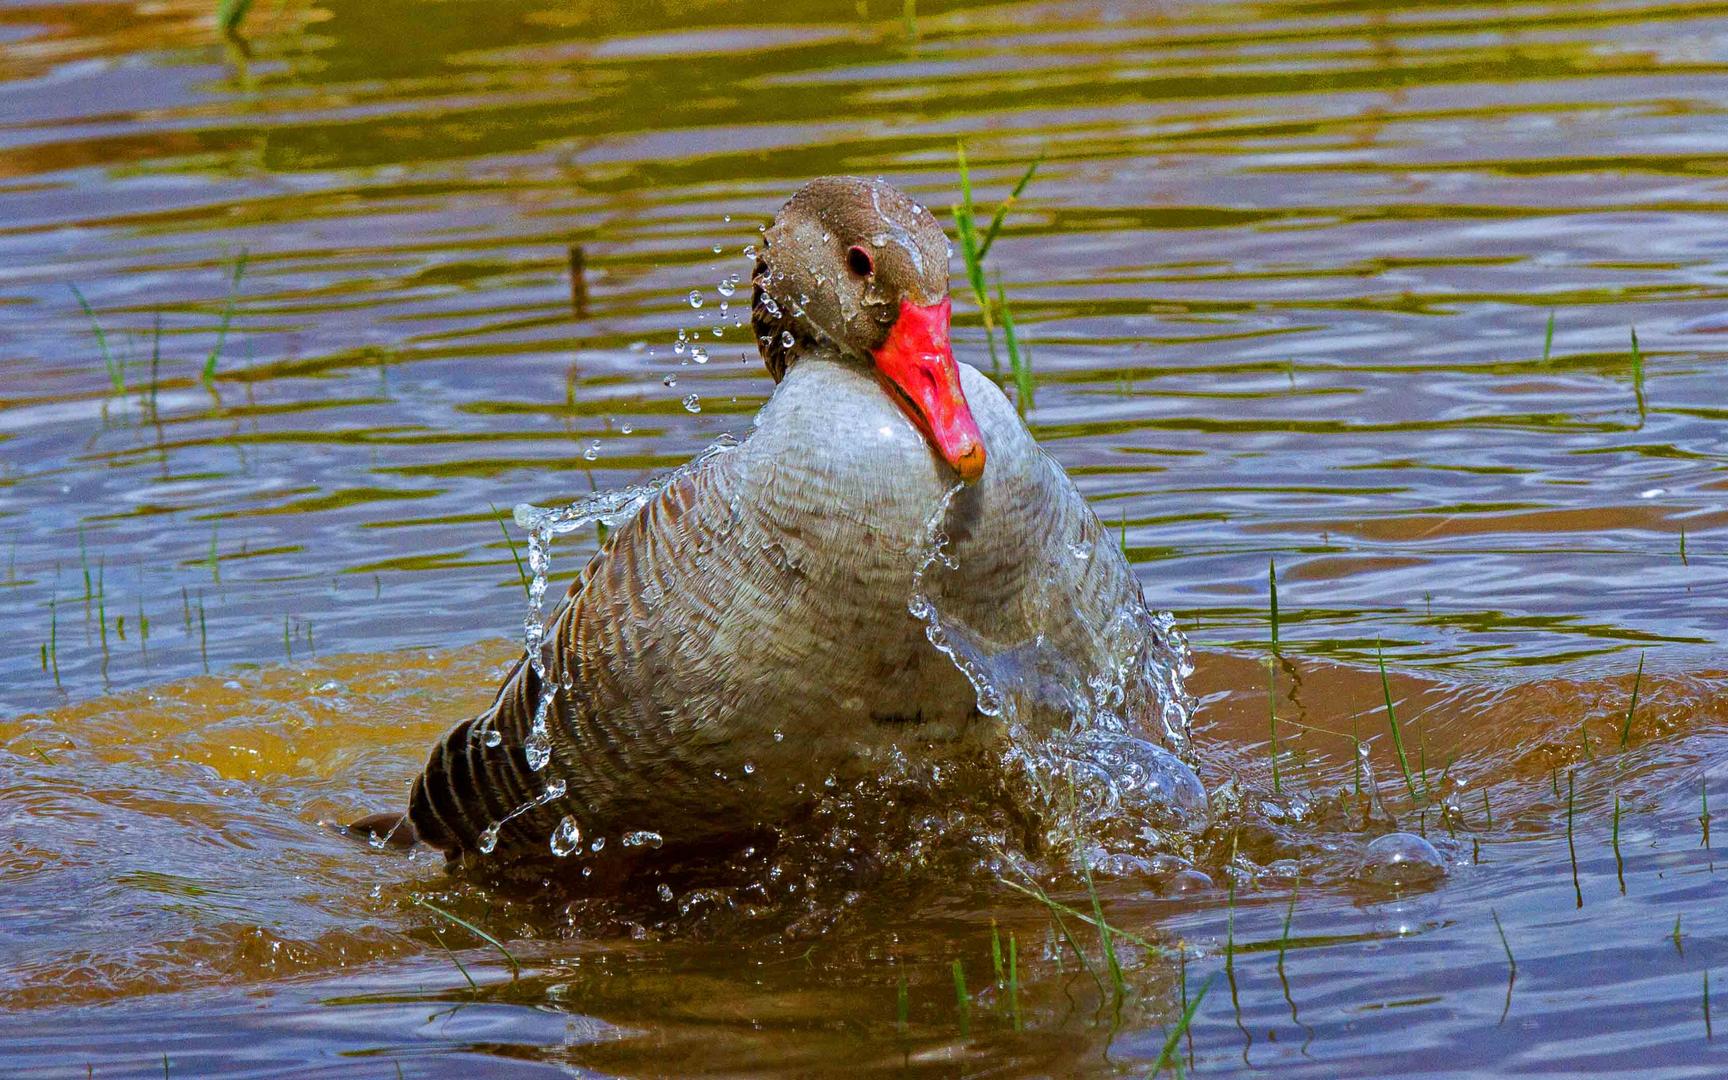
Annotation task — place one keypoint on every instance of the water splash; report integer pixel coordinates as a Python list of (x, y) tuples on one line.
[(1108, 795), (543, 525)]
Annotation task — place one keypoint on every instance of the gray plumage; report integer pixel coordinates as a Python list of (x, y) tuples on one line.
[(746, 638)]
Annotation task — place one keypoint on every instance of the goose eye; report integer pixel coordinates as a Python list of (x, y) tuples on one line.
[(859, 262)]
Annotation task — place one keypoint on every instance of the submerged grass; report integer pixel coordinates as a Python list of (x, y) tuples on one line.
[(962, 999), (1167, 1057), (1272, 675), (1637, 372), (1571, 847), (1106, 938)]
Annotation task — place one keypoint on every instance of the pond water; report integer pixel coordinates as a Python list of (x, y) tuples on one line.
[(1287, 271)]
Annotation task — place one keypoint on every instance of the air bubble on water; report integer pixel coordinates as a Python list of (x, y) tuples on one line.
[(786, 338), (642, 838), (567, 837), (1401, 859), (695, 298), (488, 839), (692, 403)]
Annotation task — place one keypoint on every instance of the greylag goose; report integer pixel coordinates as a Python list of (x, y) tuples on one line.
[(746, 639)]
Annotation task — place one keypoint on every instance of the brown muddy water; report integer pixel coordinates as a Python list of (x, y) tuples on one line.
[(1286, 272)]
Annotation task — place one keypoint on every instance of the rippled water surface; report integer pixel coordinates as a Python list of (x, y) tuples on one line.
[(1286, 270)]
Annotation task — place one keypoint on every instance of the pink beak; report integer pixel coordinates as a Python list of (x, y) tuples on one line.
[(918, 361)]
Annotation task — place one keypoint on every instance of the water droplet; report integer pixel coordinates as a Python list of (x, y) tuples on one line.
[(537, 748), (493, 737), (593, 451), (567, 837), (680, 346), (699, 354), (716, 249), (669, 380), (692, 403), (727, 218), (598, 843), (1401, 859), (695, 297), (643, 838), (724, 308), (625, 429), (749, 768), (779, 736), (718, 330), (488, 839), (786, 338), (664, 892), (554, 790), (749, 251)]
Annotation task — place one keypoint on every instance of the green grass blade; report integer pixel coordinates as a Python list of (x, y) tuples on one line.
[(1019, 361), (1548, 339), (1167, 1056), (1397, 735), (515, 968), (521, 571), (209, 373), (1007, 204), (1637, 681), (230, 14), (115, 366)]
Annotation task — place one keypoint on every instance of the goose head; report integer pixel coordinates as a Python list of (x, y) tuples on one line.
[(853, 269)]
